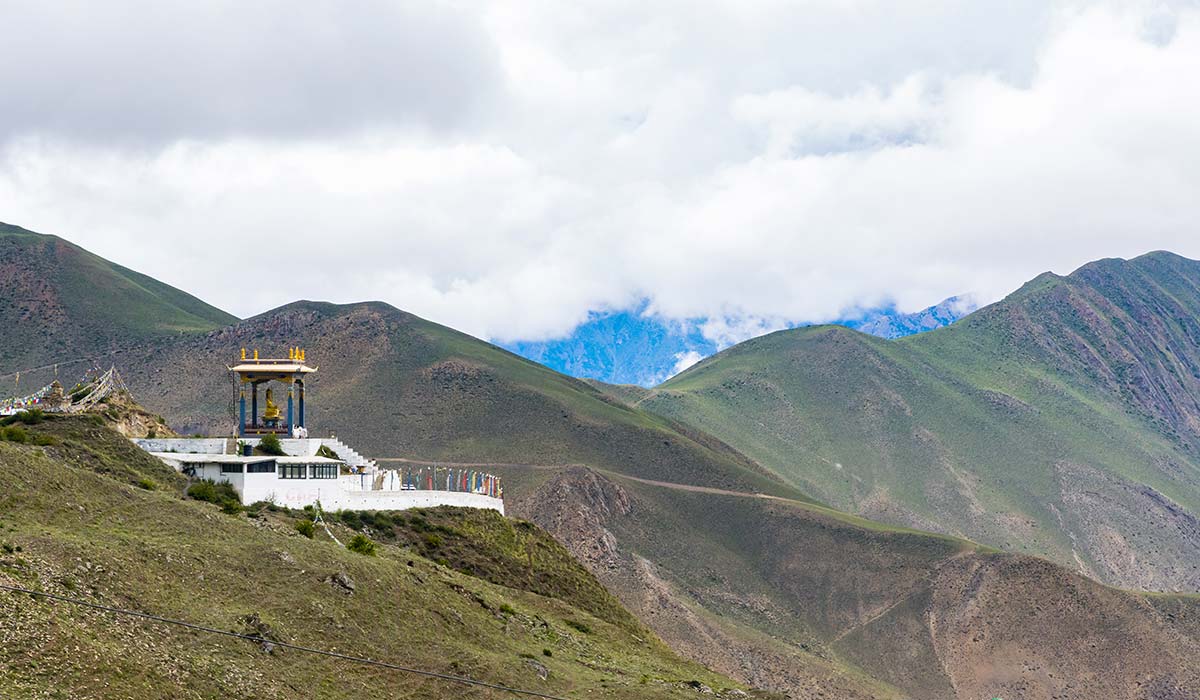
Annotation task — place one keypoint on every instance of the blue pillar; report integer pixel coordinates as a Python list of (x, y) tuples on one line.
[(253, 404), (301, 383), (291, 424), (242, 411)]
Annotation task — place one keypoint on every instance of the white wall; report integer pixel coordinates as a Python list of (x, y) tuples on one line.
[(187, 445), (297, 493)]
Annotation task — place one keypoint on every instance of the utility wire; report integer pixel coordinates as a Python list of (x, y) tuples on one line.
[(285, 645)]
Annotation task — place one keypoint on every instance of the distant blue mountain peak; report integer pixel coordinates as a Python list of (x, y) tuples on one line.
[(637, 346)]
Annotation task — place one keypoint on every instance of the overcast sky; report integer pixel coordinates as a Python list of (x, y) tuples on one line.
[(505, 167)]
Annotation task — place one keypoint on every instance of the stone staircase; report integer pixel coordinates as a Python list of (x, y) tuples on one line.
[(348, 454)]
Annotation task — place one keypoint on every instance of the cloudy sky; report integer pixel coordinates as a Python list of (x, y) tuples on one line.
[(505, 167)]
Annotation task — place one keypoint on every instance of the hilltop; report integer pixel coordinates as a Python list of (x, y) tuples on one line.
[(88, 515), (1062, 421), (62, 302), (726, 556), (398, 386)]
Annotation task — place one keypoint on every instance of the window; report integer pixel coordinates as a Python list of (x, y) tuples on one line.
[(266, 467), (231, 468), (292, 471), (325, 471)]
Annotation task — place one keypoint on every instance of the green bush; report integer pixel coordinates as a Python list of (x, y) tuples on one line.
[(43, 440), (270, 445), (222, 494), (507, 609), (349, 518), (14, 433), (32, 416), (578, 626), (145, 483), (547, 652), (306, 528), (362, 544), (324, 451), (431, 540)]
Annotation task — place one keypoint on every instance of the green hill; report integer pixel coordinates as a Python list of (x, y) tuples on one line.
[(90, 516), (797, 597), (62, 302), (729, 562), (398, 386), (1062, 421)]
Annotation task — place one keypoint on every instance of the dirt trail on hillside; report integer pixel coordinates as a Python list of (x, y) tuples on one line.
[(617, 475)]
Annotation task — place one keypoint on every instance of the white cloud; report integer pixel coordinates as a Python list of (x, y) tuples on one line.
[(519, 164), (683, 360)]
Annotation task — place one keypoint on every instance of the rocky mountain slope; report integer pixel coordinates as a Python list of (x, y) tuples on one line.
[(774, 591), (395, 385), (1062, 421), (823, 605), (62, 302), (734, 565), (86, 515)]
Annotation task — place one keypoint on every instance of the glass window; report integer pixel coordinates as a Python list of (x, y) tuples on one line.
[(261, 467), (231, 468), (292, 471), (324, 471)]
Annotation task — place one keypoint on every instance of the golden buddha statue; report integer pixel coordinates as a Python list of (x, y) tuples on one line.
[(271, 414)]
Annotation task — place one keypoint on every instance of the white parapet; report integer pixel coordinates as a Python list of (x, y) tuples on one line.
[(299, 481), (184, 445)]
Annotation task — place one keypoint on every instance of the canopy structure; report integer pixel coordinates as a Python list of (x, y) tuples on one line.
[(251, 372)]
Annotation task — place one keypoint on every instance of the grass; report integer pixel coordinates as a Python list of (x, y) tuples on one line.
[(85, 530), (968, 429), (508, 552), (106, 306), (416, 389)]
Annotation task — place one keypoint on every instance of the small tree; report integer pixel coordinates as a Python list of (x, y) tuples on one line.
[(305, 527), (270, 445), (362, 544)]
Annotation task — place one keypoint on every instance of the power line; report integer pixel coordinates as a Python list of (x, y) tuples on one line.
[(285, 645)]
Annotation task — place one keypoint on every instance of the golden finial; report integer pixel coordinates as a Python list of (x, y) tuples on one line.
[(256, 353), (303, 354), (243, 354)]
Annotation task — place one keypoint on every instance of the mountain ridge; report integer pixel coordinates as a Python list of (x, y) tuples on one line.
[(60, 295), (1088, 376), (639, 348)]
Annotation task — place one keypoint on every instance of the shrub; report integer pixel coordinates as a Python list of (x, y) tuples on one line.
[(145, 483), (43, 440), (222, 494), (578, 626), (362, 544), (269, 444), (14, 433), (305, 527), (431, 540), (507, 609), (350, 519), (151, 433), (31, 416), (324, 451), (547, 652)]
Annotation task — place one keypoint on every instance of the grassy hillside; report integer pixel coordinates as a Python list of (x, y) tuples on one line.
[(92, 517), (62, 302), (1062, 421), (395, 385), (801, 598)]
